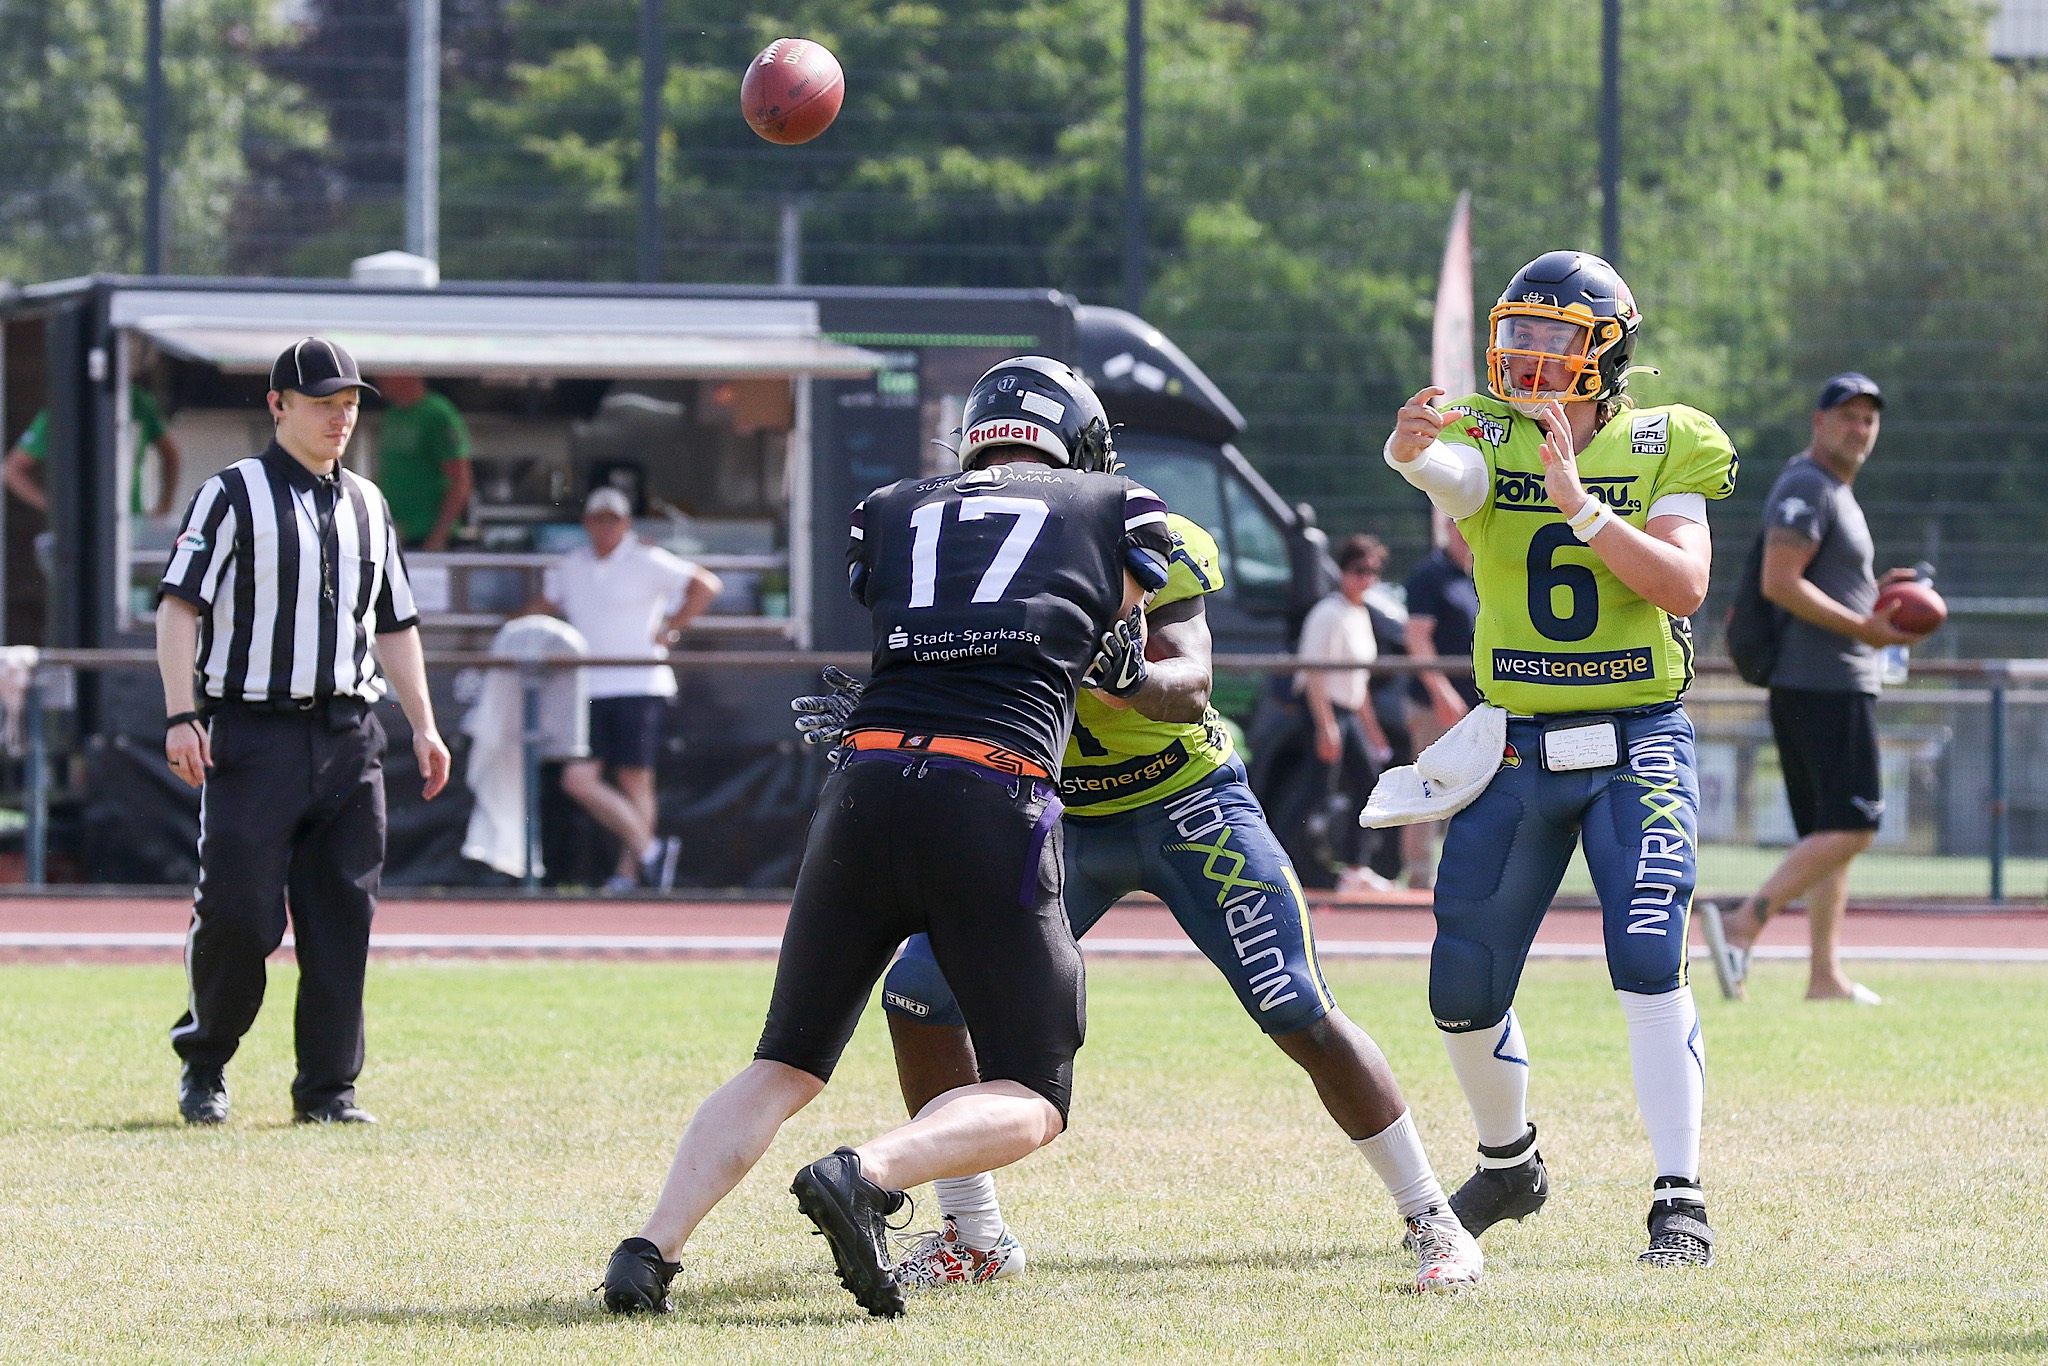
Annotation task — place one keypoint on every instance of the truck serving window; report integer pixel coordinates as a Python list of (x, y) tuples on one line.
[(1259, 564), (1188, 477)]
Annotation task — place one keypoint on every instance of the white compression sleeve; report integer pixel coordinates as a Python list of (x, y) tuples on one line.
[(1492, 1066), (1453, 476), (1396, 1154), (970, 1201), (1669, 1061), (1691, 506)]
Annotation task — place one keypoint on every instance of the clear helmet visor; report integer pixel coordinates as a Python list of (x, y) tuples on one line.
[(1539, 358)]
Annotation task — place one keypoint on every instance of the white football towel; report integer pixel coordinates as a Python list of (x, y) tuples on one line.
[(1445, 778)]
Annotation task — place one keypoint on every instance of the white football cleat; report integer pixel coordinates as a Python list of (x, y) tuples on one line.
[(1446, 1256), (940, 1258)]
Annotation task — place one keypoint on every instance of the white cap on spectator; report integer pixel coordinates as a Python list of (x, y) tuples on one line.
[(607, 500)]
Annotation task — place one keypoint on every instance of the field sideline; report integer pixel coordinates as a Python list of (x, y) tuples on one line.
[(1873, 1174)]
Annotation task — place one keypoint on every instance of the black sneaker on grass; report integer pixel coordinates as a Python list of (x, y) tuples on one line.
[(1509, 1183), (203, 1094), (852, 1212), (1679, 1235), (636, 1279)]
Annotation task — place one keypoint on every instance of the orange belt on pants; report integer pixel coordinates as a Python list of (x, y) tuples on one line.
[(953, 746)]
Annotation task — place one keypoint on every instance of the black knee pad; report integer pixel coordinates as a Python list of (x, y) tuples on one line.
[(915, 989), (1462, 991)]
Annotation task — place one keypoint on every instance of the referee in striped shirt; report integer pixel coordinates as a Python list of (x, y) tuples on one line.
[(286, 567)]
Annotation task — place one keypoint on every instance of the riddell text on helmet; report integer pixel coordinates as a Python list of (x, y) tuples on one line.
[(1006, 430)]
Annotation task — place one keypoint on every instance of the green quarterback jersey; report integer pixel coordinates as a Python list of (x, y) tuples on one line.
[(1117, 760), (1557, 631)]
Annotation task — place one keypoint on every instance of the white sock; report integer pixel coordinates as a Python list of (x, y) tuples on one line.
[(1493, 1068), (1396, 1154), (1669, 1060), (970, 1201), (652, 851)]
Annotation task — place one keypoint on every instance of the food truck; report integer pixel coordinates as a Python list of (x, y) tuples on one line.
[(743, 422)]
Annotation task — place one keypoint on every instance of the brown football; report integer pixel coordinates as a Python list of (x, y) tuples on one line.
[(1920, 608), (792, 91)]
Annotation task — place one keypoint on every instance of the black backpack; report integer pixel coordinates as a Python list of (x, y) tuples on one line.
[(1755, 623)]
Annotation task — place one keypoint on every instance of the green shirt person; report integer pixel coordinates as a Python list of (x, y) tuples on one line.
[(422, 461), (25, 480)]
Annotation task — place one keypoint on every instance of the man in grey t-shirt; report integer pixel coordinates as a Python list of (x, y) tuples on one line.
[(1817, 569)]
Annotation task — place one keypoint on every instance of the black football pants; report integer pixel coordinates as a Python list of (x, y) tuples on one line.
[(291, 817)]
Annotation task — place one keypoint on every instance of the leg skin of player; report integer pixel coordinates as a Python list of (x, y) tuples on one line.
[(1669, 1061), (726, 1137), (1350, 1073), (965, 1132), (932, 1059), (1492, 1067)]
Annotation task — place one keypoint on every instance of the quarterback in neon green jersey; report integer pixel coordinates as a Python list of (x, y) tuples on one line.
[(1587, 518), (1157, 801)]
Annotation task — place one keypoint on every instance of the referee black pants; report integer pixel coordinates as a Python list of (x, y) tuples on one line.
[(291, 819)]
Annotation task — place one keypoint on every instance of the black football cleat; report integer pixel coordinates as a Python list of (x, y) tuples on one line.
[(336, 1111), (203, 1094), (1679, 1235), (636, 1279), (852, 1211), (1509, 1183)]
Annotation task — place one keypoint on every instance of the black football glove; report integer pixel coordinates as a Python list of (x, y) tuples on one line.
[(821, 719), (1119, 665)]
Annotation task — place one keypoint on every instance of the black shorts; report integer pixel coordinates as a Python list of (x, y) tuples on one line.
[(1827, 747), (626, 731), (964, 854)]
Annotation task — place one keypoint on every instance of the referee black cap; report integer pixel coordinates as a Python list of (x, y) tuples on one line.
[(316, 367)]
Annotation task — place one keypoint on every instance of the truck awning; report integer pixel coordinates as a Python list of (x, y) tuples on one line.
[(502, 336)]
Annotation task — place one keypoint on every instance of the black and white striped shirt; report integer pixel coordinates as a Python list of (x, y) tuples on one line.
[(292, 575)]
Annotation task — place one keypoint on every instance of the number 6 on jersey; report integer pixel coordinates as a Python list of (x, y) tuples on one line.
[(927, 521)]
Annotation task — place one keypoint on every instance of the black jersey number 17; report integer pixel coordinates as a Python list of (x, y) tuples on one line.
[(925, 524)]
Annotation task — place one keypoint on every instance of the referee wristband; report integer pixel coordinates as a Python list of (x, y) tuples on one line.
[(183, 717), (1590, 520)]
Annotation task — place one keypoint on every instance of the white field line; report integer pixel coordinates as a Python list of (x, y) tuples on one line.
[(570, 944)]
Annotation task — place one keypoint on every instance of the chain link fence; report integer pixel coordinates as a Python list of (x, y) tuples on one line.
[(1965, 771)]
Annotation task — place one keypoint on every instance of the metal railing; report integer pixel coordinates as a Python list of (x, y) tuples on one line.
[(1999, 685)]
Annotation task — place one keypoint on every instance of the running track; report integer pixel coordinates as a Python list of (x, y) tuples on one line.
[(148, 928)]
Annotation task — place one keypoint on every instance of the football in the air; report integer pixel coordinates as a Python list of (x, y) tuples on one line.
[(792, 91), (1920, 608)]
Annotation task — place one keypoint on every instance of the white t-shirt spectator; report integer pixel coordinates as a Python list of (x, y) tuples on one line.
[(619, 603), (1338, 630)]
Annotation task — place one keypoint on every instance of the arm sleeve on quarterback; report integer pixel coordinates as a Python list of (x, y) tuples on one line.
[(1703, 459), (1148, 542), (1451, 473), (1691, 506)]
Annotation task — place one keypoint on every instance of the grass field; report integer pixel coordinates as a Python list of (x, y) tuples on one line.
[(1875, 1176)]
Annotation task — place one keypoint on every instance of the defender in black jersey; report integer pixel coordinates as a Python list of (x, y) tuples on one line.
[(991, 593)]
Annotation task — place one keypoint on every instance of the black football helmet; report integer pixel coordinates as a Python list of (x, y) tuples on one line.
[(1040, 403), (1569, 307)]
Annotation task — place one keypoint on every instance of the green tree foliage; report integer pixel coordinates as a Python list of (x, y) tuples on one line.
[(71, 101), (1809, 184)]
